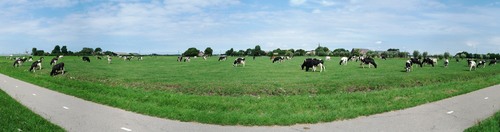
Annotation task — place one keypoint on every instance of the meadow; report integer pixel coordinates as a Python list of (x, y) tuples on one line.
[(261, 93)]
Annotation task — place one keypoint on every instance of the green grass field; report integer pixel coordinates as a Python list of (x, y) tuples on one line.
[(491, 124), (15, 117), (261, 93)]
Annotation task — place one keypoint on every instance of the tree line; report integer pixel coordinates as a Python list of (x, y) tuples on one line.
[(64, 51)]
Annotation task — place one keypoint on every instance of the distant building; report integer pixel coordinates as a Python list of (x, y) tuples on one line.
[(121, 53)]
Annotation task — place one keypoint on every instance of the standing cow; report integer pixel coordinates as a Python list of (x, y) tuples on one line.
[(57, 69), (239, 61), (36, 65), (85, 58)]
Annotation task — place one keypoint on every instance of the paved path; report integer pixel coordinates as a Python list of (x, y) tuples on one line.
[(74, 114)]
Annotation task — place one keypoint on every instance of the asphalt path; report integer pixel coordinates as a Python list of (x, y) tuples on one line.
[(77, 115)]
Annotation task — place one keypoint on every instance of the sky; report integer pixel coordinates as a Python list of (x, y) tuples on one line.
[(173, 26)]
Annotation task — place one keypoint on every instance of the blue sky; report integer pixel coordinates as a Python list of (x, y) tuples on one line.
[(172, 26)]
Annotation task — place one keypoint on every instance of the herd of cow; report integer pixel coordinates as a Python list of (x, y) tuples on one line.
[(309, 63)]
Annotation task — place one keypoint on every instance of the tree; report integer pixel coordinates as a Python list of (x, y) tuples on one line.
[(86, 51), (416, 54), (322, 51), (108, 53), (446, 55), (208, 51), (249, 52), (258, 51), (371, 54), (230, 52), (425, 54), (191, 52), (64, 50), (355, 52), (300, 52), (98, 51), (39, 53), (56, 51), (33, 51), (440, 56)]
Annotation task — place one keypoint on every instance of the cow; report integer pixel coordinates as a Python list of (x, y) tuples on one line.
[(384, 58), (471, 64), (99, 58), (222, 58), (85, 58), (430, 61), (204, 57), (140, 58), (187, 59), (408, 66), (343, 61), (36, 65), (446, 62), (57, 69), (415, 61), (30, 59), (54, 61), (109, 59), (17, 63), (239, 61), (481, 62), (313, 63), (179, 59), (493, 62), (328, 58), (278, 59), (368, 61)]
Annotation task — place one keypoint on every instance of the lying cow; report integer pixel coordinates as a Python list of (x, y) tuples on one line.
[(239, 61), (222, 58), (313, 63), (57, 69), (36, 65), (85, 58), (368, 61)]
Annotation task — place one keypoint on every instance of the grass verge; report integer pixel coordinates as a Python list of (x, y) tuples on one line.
[(491, 124)]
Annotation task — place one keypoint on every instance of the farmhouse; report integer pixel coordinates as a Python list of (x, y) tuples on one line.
[(362, 51)]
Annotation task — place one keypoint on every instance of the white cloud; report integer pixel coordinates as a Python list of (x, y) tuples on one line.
[(327, 3), (297, 2), (316, 11)]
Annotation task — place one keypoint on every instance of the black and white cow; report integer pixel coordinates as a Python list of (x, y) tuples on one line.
[(313, 63), (85, 58), (17, 63), (239, 61), (99, 58), (30, 59), (343, 61), (408, 66), (472, 64), (109, 59), (493, 62), (36, 65), (222, 58), (481, 62), (278, 59), (415, 61), (54, 61), (179, 59), (368, 61), (430, 61), (57, 69), (187, 59)]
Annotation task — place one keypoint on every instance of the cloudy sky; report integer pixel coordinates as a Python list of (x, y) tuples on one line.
[(172, 26)]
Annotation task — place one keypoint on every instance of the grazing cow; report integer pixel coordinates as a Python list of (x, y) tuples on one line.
[(493, 62), (222, 58), (471, 64), (99, 58), (481, 62), (53, 61), (384, 58), (36, 65), (278, 59), (446, 62), (343, 61), (30, 59), (179, 59), (408, 66), (415, 61), (187, 59), (57, 69), (17, 63), (239, 61), (313, 63), (368, 61), (85, 58), (328, 58), (430, 61)]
